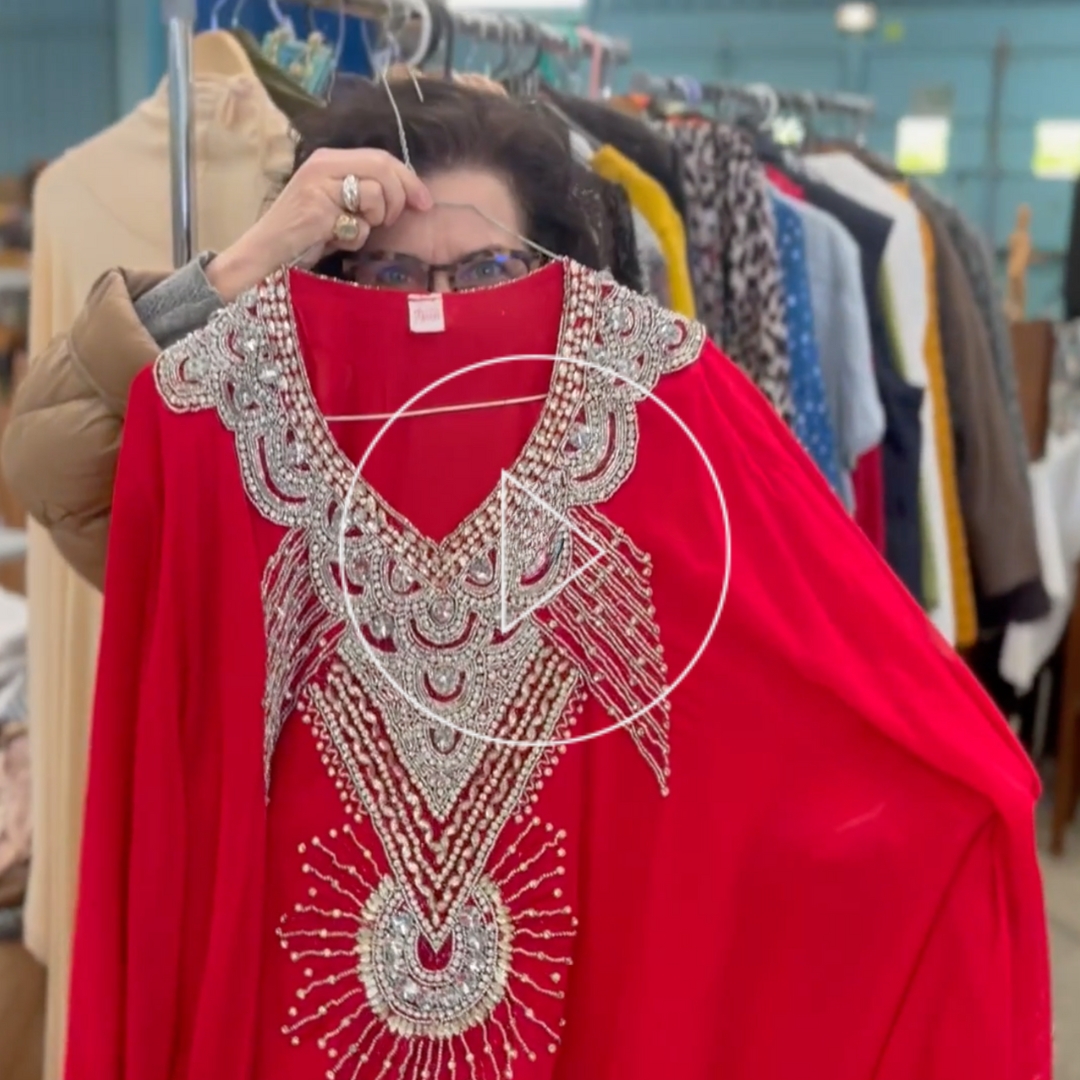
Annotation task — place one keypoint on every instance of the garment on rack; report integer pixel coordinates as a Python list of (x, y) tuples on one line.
[(784, 183), (14, 753), (959, 561), (731, 236), (285, 92), (651, 200), (610, 218), (647, 149), (623, 258), (978, 263), (868, 488), (813, 425), (899, 461), (98, 206), (1072, 259), (1065, 379), (842, 331), (322, 928), (998, 514), (906, 309), (654, 267)]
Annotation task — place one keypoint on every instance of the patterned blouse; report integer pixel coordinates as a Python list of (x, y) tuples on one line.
[(731, 240), (813, 425)]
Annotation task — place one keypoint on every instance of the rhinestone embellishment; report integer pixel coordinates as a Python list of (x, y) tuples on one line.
[(442, 609), (581, 437), (444, 681), (443, 738), (381, 626), (401, 578), (357, 569), (419, 999), (482, 571), (621, 319)]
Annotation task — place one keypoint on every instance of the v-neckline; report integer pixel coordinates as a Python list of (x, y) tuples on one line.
[(369, 511)]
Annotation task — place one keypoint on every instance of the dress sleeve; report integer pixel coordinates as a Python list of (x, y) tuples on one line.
[(969, 1009), (102, 951)]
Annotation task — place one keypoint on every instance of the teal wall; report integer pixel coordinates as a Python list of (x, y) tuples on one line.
[(58, 75), (69, 67), (795, 46)]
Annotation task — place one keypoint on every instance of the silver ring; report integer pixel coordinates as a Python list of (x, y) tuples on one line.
[(350, 193)]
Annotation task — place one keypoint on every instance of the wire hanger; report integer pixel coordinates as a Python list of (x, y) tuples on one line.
[(511, 31), (768, 102)]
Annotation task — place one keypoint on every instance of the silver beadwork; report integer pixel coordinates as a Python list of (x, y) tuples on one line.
[(436, 617)]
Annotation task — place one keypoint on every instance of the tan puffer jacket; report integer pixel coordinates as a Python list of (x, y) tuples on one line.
[(60, 449)]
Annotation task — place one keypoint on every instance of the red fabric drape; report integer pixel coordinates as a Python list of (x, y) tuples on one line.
[(841, 885)]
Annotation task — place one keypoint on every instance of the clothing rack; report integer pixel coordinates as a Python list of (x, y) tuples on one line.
[(179, 19), (771, 101), (489, 27), (511, 32)]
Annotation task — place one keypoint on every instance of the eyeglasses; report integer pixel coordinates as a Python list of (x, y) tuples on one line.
[(406, 273)]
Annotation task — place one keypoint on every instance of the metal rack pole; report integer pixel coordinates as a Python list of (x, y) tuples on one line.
[(179, 19)]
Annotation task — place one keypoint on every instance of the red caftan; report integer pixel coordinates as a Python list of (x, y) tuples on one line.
[(806, 850)]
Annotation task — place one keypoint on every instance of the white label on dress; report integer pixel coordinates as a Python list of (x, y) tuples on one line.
[(426, 314)]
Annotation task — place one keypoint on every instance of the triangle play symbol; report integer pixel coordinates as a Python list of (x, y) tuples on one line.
[(510, 546)]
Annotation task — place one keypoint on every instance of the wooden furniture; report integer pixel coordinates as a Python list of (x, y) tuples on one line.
[(1033, 354)]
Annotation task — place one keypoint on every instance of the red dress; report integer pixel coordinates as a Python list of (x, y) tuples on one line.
[(345, 816)]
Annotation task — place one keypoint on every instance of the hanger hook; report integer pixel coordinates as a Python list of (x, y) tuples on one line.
[(283, 20), (510, 35), (768, 100), (530, 35), (215, 12), (422, 11)]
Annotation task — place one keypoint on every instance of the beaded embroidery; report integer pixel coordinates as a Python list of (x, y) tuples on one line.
[(396, 708)]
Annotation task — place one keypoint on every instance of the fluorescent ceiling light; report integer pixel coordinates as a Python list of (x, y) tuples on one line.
[(516, 5), (856, 18)]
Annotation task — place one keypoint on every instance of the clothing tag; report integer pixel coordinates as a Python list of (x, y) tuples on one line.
[(426, 314)]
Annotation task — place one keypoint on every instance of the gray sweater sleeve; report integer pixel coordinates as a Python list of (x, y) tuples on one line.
[(180, 304)]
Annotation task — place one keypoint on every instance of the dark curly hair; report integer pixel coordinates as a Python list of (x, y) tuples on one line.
[(455, 126)]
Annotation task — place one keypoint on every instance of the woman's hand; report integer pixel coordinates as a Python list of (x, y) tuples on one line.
[(298, 228)]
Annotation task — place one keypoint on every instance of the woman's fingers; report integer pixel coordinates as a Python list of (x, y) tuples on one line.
[(416, 192), (393, 191), (373, 203), (375, 165)]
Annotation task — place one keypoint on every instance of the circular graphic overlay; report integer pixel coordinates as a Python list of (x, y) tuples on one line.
[(645, 395)]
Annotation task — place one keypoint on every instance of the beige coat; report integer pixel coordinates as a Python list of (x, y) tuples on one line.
[(60, 449), (104, 203)]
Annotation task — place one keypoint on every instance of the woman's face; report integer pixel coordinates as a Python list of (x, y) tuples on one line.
[(446, 234)]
